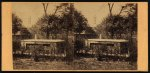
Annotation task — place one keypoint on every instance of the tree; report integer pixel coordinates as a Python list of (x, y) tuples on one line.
[(18, 27), (110, 8), (119, 24), (25, 32), (64, 19), (72, 21), (123, 23), (69, 20), (110, 25), (16, 23), (80, 22), (131, 10), (49, 25)]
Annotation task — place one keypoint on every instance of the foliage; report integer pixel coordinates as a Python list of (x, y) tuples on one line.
[(18, 27), (35, 29), (49, 23), (16, 23), (65, 18), (123, 23), (119, 24), (25, 31), (72, 19)]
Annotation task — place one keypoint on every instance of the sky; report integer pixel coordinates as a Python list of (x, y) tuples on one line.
[(95, 12)]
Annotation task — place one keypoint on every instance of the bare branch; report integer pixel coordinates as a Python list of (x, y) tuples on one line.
[(45, 7), (110, 8), (121, 10), (56, 11)]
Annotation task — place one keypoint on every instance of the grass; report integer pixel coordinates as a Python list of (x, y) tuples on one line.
[(77, 64)]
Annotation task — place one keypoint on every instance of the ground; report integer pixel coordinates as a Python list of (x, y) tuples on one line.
[(78, 64)]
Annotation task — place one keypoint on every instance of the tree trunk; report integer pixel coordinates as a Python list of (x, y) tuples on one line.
[(47, 34), (112, 35)]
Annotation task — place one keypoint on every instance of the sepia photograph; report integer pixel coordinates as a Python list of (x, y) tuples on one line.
[(74, 36), (64, 36)]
